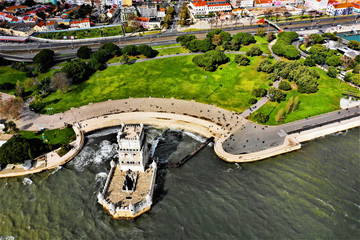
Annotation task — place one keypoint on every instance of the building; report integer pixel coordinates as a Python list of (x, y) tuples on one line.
[(356, 6), (51, 25), (316, 4), (148, 23), (200, 7), (161, 13), (80, 23), (129, 188), (147, 12), (264, 3), (112, 11), (339, 9), (40, 27)]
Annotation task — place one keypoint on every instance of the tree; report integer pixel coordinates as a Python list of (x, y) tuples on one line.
[(217, 40), (333, 60), (111, 49), (353, 44), (356, 69), (94, 64), (76, 70), (18, 149), (84, 52), (210, 60), (60, 81), (252, 101), (284, 85), (146, 50), (20, 92), (332, 72), (309, 61), (357, 58), (261, 117), (130, 50), (254, 51), (330, 36), (289, 105), (261, 32), (270, 36), (44, 59), (280, 115), (10, 127), (184, 40), (242, 59), (259, 92), (276, 95), (124, 59), (100, 56), (316, 38), (241, 39), (296, 103), (29, 84)]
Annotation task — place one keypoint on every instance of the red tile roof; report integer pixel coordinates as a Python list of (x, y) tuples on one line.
[(199, 3), (343, 5)]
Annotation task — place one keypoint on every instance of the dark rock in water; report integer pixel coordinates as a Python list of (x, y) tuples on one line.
[(172, 136)]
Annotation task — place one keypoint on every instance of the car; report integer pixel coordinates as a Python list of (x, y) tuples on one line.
[(306, 28), (285, 27), (301, 29)]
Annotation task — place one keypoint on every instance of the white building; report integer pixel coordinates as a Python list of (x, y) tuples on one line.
[(340, 9), (199, 7), (316, 4), (80, 24), (133, 153)]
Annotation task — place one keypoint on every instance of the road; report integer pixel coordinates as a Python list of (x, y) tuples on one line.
[(170, 36)]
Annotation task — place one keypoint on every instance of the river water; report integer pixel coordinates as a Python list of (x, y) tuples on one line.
[(312, 193)]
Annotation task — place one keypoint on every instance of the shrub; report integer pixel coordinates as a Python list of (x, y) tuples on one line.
[(111, 49), (270, 36), (289, 105), (332, 72), (84, 52), (276, 95), (285, 85), (280, 115), (354, 45), (130, 50), (254, 51), (252, 101), (242, 59), (259, 92), (261, 117), (309, 61), (146, 50), (316, 38), (333, 60), (210, 60)]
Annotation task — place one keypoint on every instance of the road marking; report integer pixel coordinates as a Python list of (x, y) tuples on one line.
[(282, 133)]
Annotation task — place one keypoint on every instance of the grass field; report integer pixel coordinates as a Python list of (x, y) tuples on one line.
[(174, 77), (55, 137), (10, 75), (260, 42), (325, 100), (84, 33), (169, 51)]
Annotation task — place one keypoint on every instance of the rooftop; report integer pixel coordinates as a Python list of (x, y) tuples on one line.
[(115, 195), (131, 131)]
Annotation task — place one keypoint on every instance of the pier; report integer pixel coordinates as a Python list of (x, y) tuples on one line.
[(193, 153)]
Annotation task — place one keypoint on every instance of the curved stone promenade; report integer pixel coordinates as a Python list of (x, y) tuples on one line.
[(230, 130)]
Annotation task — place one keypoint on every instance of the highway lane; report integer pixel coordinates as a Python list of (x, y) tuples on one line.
[(170, 36)]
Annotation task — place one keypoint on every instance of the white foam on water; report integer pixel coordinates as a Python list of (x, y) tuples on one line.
[(153, 146), (101, 176), (196, 137), (326, 204), (84, 158), (27, 181), (107, 149), (89, 156), (104, 132), (56, 169), (7, 238)]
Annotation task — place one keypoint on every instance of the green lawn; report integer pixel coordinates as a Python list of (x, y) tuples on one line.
[(10, 75), (169, 51), (174, 77), (169, 45), (84, 33), (55, 137), (327, 99)]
